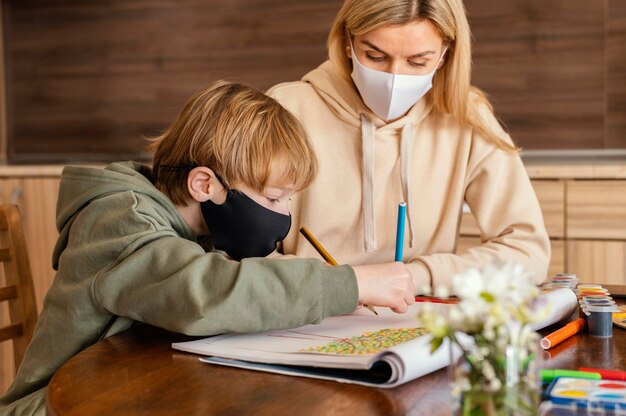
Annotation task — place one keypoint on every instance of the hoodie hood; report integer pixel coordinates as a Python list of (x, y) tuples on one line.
[(343, 98), (82, 185)]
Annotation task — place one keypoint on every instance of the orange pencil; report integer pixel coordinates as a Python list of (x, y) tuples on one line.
[(562, 334)]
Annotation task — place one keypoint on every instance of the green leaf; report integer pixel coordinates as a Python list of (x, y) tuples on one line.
[(487, 296), (435, 343)]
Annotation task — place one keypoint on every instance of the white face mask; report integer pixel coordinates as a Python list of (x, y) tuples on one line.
[(390, 96)]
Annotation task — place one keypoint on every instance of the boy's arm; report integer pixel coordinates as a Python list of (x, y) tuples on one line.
[(171, 283)]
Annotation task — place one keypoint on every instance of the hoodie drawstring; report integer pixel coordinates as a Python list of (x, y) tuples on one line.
[(406, 146), (369, 220), (406, 150)]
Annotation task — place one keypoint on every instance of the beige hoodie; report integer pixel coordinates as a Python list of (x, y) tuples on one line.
[(367, 167)]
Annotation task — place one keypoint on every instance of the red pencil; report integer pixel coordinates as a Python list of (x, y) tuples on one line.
[(435, 300)]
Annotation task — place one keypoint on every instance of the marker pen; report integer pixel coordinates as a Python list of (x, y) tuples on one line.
[(606, 374), (549, 375)]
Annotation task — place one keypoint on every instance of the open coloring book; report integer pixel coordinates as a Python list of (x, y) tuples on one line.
[(384, 351)]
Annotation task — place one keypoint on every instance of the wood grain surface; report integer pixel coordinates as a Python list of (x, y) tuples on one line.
[(87, 80), (138, 373)]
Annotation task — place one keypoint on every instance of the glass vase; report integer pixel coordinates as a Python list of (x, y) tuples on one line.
[(488, 379)]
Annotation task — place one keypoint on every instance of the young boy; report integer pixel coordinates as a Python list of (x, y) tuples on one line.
[(130, 241)]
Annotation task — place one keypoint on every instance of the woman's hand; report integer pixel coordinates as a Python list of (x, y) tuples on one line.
[(385, 284)]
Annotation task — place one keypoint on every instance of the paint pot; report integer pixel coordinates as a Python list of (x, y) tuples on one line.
[(595, 301), (600, 320), (590, 286)]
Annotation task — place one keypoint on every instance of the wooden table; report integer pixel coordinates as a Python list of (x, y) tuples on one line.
[(137, 372)]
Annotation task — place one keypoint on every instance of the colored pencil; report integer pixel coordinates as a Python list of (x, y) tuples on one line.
[(325, 254), (317, 246), (400, 231), (430, 299)]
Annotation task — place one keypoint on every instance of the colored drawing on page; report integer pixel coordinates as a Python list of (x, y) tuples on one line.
[(368, 343)]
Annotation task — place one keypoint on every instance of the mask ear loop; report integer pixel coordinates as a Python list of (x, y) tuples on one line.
[(443, 53), (219, 178)]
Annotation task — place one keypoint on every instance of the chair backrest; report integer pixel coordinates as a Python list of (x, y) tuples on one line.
[(18, 290)]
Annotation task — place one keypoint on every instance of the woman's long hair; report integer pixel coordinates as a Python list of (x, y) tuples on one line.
[(452, 92)]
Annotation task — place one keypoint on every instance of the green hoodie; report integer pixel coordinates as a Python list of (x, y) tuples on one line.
[(125, 254)]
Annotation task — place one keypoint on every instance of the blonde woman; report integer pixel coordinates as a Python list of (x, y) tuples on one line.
[(393, 117)]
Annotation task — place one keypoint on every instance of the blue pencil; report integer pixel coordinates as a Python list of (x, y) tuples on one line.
[(400, 230)]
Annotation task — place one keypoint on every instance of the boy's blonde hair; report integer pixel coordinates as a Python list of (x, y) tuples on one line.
[(452, 92), (243, 135)]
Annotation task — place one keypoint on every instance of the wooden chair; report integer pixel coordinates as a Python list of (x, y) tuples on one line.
[(18, 290)]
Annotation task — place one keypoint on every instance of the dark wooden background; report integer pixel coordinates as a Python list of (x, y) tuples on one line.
[(86, 79), (556, 70)]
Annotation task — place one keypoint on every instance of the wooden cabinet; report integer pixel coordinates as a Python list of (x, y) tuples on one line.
[(551, 196), (596, 230), (596, 209), (35, 192), (584, 209), (598, 261)]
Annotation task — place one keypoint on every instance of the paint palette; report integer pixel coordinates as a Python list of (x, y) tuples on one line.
[(577, 393)]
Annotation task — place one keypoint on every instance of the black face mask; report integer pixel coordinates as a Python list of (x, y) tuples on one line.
[(242, 228)]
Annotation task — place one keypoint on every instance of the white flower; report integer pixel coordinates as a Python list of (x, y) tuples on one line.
[(456, 318), (468, 285), (496, 307)]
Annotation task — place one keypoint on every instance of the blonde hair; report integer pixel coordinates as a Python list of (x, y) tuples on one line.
[(243, 135), (452, 92)]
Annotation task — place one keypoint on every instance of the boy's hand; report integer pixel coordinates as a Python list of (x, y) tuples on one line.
[(385, 284)]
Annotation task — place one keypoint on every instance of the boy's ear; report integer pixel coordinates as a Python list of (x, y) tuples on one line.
[(203, 185)]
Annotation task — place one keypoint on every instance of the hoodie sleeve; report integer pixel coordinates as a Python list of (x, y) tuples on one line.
[(170, 282), (503, 202), (141, 268)]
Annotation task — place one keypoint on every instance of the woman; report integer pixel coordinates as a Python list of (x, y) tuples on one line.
[(383, 135)]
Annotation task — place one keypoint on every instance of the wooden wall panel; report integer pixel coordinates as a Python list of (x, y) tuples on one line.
[(616, 74), (87, 79), (542, 63)]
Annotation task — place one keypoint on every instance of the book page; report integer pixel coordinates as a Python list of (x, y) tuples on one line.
[(298, 346), (358, 341), (558, 305)]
